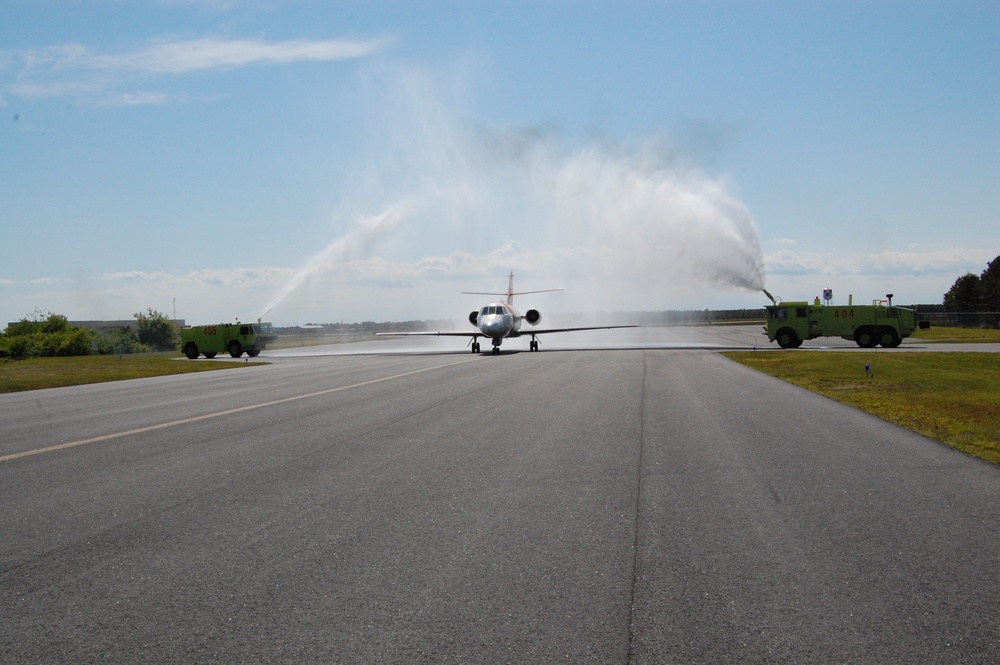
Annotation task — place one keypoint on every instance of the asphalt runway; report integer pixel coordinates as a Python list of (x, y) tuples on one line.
[(633, 505), (719, 337)]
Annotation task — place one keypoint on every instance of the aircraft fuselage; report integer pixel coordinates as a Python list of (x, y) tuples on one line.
[(498, 320)]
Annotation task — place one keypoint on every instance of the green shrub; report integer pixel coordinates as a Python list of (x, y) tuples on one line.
[(120, 341), (46, 337)]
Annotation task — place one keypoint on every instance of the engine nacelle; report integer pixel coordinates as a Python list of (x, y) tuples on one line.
[(474, 317), (533, 316)]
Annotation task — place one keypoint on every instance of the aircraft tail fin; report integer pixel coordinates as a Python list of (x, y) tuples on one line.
[(510, 290)]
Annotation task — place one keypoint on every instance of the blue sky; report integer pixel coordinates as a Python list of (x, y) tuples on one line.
[(328, 161)]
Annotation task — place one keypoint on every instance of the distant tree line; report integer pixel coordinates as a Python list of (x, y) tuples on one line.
[(976, 293), (44, 335), (691, 316)]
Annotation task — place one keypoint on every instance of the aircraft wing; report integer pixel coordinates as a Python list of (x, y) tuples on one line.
[(431, 333), (543, 331), (477, 333)]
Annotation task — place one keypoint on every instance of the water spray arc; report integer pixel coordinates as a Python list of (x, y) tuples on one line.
[(356, 245), (624, 225)]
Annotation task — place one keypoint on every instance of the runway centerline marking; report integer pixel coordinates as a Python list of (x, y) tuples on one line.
[(218, 414)]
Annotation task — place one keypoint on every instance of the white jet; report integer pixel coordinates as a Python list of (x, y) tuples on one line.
[(499, 320)]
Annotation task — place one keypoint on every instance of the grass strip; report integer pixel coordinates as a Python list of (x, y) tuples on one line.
[(951, 397), (958, 335), (38, 373)]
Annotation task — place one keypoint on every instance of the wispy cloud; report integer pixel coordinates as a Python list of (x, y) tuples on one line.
[(913, 262), (135, 99), (79, 70), (173, 57)]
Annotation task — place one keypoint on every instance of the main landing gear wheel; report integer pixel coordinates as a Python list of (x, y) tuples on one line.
[(533, 345), (475, 347)]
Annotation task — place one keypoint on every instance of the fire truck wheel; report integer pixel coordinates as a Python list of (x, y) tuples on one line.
[(865, 338), (191, 350), (210, 354), (234, 348), (888, 338), (787, 338)]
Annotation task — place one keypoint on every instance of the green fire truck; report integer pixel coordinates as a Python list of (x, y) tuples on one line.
[(233, 338), (791, 323)]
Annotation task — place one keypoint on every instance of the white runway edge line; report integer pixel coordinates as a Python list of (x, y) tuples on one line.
[(207, 416)]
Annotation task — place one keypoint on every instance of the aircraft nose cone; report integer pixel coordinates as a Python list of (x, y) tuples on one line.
[(494, 327)]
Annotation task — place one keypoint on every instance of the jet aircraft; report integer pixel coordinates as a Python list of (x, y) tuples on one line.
[(499, 320)]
